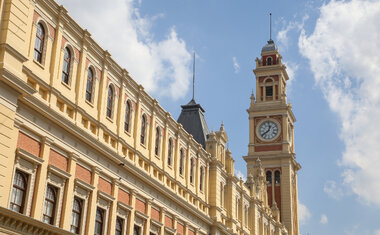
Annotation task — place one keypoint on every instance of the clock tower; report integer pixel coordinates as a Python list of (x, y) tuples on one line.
[(271, 129)]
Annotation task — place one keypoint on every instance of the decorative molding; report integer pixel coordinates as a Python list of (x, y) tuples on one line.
[(28, 156), (59, 172), (84, 185)]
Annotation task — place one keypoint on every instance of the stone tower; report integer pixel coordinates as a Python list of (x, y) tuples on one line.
[(271, 128)]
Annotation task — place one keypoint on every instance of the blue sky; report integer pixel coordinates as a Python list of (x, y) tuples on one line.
[(332, 52)]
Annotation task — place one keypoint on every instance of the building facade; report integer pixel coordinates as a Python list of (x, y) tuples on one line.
[(85, 150)]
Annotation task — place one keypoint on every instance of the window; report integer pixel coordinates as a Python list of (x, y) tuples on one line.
[(157, 142), (127, 118), (269, 177), (269, 61), (119, 226), (76, 215), (192, 170), (277, 177), (201, 176), (221, 194), (143, 129), (170, 151), (269, 91), (136, 230), (66, 66), (50, 204), (99, 221), (181, 161), (39, 44), (90, 85), (20, 184), (110, 101)]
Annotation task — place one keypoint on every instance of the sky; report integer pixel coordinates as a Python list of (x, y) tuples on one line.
[(332, 52)]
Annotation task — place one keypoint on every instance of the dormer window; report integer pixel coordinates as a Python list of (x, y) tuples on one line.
[(269, 61)]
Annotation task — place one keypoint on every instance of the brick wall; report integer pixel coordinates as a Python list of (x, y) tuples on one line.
[(28, 144)]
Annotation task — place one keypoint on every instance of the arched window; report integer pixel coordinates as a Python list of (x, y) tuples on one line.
[(99, 221), (269, 177), (76, 215), (201, 176), (39, 44), (269, 60), (119, 226), (157, 142), (20, 184), (277, 177), (170, 151), (181, 161), (110, 101), (192, 163), (127, 119), (90, 85), (143, 129), (50, 204), (66, 65)]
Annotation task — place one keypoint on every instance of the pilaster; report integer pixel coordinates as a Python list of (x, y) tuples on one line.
[(113, 208), (91, 212), (41, 177), (131, 217), (69, 189)]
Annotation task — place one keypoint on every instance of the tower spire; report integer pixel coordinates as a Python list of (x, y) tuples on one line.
[(270, 29), (193, 73)]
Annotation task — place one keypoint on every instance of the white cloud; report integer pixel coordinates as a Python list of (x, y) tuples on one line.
[(377, 232), (324, 219), (236, 65), (303, 213), (332, 190), (344, 56), (283, 35), (240, 174), (162, 67)]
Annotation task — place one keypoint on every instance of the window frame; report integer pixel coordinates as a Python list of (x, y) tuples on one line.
[(79, 213), (127, 116), (53, 202), (157, 142), (25, 177), (170, 151), (122, 220), (42, 44), (181, 161), (143, 129), (93, 78), (269, 181), (110, 101), (191, 175), (103, 211), (68, 61), (201, 178)]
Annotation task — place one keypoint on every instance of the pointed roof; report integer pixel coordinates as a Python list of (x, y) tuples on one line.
[(193, 121)]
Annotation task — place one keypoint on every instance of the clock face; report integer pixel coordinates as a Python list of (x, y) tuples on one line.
[(268, 130)]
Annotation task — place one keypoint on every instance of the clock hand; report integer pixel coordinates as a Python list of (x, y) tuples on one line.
[(267, 131)]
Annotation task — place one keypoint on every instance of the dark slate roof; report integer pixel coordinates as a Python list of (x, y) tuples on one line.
[(193, 121), (269, 47)]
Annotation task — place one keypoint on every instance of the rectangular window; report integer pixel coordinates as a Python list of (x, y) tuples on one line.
[(20, 185), (269, 91)]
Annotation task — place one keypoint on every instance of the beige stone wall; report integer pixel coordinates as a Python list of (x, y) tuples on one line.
[(85, 154)]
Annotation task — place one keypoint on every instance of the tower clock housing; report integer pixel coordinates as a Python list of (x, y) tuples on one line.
[(271, 135)]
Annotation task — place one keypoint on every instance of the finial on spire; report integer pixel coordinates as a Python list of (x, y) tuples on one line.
[(193, 72), (270, 29)]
